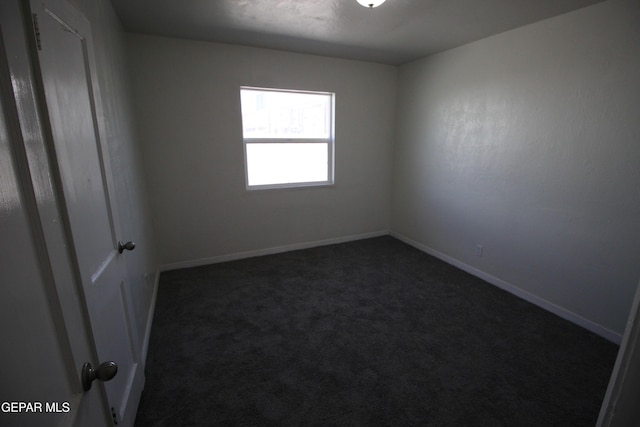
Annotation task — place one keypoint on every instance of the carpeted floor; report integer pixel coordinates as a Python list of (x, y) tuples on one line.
[(366, 333)]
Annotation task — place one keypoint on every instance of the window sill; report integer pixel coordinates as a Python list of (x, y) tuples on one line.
[(291, 186)]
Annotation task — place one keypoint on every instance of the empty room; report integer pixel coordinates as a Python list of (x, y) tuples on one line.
[(340, 212)]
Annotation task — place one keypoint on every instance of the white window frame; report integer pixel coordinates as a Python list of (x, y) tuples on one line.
[(330, 141)]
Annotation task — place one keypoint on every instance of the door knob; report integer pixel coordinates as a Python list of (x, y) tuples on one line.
[(128, 246), (105, 372)]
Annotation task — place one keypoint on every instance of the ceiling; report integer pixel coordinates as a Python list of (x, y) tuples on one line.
[(398, 31)]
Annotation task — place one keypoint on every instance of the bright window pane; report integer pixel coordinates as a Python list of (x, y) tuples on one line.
[(288, 137), (283, 163), (274, 114)]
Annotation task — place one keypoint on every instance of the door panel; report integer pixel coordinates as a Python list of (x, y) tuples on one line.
[(67, 84), (65, 64)]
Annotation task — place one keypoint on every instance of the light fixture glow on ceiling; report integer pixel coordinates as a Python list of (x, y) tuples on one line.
[(371, 3)]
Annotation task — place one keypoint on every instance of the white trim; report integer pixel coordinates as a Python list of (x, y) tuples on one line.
[(275, 89), (270, 251), (525, 295), (287, 140), (304, 184), (619, 403), (152, 310)]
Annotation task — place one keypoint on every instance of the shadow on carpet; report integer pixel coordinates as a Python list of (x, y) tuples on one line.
[(368, 333)]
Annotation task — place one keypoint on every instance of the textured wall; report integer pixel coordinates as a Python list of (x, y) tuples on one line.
[(528, 143), (187, 107)]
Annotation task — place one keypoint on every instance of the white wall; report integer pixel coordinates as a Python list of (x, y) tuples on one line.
[(187, 107), (528, 143)]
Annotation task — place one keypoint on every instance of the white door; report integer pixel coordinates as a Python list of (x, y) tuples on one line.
[(42, 335), (73, 109)]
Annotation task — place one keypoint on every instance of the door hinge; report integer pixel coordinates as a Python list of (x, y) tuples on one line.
[(36, 31), (114, 414)]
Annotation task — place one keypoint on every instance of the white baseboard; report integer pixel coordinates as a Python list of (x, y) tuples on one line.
[(152, 309), (525, 295), (270, 251)]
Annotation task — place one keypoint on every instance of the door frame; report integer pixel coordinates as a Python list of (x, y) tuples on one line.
[(619, 406)]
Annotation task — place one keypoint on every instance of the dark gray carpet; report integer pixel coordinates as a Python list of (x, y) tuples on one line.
[(367, 333)]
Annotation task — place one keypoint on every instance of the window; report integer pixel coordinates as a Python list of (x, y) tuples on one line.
[(288, 137)]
